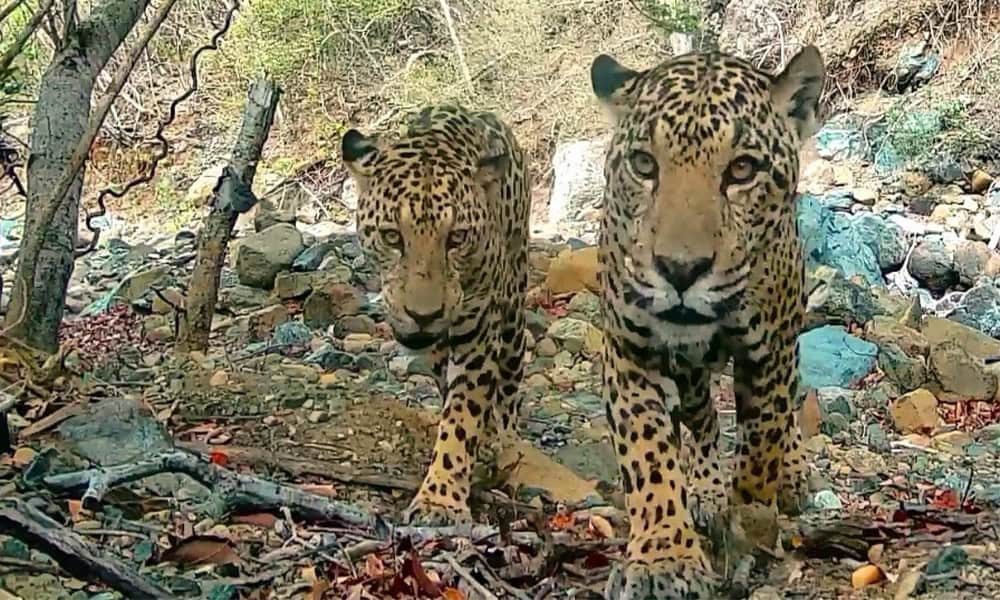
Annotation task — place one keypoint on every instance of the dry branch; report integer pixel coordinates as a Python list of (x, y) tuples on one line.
[(231, 197), (25, 35), (75, 554), (233, 491)]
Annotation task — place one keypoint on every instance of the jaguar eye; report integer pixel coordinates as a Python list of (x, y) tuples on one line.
[(742, 169), (392, 238), (456, 238), (643, 164)]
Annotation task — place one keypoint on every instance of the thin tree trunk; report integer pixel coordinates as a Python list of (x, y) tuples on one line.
[(59, 124), (229, 200)]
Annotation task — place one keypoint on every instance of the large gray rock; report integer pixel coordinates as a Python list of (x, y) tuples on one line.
[(577, 179), (263, 255), (933, 264), (979, 308)]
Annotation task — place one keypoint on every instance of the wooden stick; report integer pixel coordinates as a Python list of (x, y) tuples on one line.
[(235, 491), (75, 554)]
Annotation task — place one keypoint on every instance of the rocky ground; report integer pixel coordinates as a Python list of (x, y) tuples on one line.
[(303, 385)]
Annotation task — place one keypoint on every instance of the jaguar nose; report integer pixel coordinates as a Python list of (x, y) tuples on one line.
[(682, 274), (425, 319)]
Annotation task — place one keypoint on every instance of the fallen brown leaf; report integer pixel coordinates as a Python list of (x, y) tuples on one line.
[(600, 527), (202, 549), (452, 594), (810, 415), (321, 489), (265, 520)]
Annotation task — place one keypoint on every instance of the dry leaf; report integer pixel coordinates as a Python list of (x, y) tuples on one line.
[(875, 553), (319, 587), (452, 594), (561, 521), (309, 574), (265, 520), (417, 570), (23, 457), (810, 415), (865, 575), (600, 527), (374, 567), (75, 508), (202, 549)]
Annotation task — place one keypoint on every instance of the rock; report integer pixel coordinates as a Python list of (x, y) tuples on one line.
[(269, 215), (886, 330), (915, 412), (219, 379), (886, 239), (923, 206), (546, 347), (330, 359), (838, 300), (288, 285), (356, 324), (939, 331), (575, 335), (136, 284), (291, 333), (960, 375), (827, 500), (356, 343), (979, 308), (306, 373), (866, 196), (593, 460), (201, 190), (932, 263), (971, 260), (830, 238), (831, 357), (241, 298), (915, 183), (980, 181), (907, 371), (173, 298), (349, 194), (955, 217), (577, 178), (114, 432), (262, 323), (328, 380), (586, 306), (573, 271), (312, 258), (836, 409), (261, 256), (327, 304)]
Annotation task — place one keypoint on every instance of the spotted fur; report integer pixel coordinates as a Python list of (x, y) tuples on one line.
[(443, 211), (701, 262)]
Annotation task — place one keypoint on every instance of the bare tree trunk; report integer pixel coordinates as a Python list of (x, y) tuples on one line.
[(231, 197), (59, 124)]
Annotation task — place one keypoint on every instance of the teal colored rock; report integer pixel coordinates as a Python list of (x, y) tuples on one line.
[(831, 357), (886, 239), (831, 238)]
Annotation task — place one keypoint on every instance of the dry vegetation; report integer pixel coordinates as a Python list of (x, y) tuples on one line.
[(366, 62)]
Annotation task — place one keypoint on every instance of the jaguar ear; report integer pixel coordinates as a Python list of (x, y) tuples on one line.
[(610, 81), (490, 170), (358, 152), (796, 91)]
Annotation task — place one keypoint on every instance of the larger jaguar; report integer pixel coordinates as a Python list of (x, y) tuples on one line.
[(443, 212), (700, 262)]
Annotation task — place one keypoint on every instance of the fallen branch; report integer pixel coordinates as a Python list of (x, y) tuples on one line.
[(72, 552), (235, 492)]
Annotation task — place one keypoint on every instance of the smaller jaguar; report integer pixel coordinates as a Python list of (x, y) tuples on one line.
[(443, 212)]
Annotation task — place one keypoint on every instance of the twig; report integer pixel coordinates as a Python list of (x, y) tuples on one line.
[(75, 554), (30, 566), (467, 576), (22, 38), (460, 54), (235, 491)]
